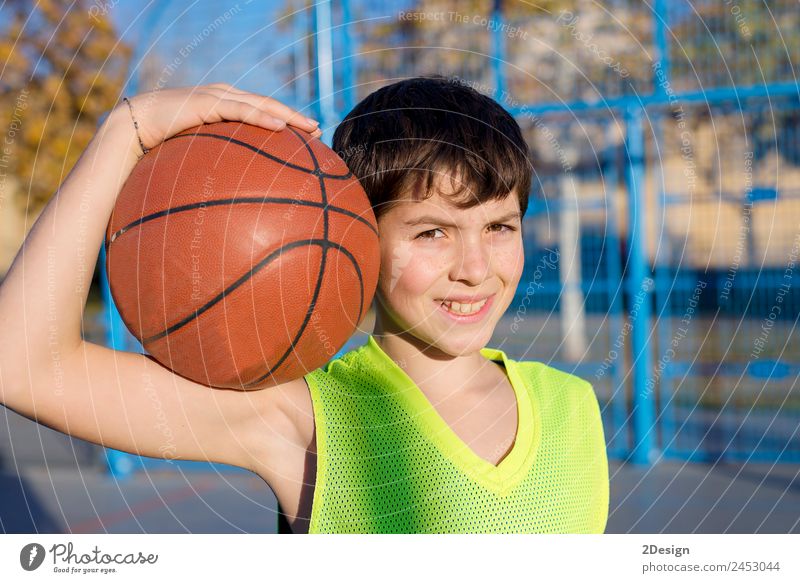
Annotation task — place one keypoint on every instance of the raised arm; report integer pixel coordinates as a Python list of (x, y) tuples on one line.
[(127, 401)]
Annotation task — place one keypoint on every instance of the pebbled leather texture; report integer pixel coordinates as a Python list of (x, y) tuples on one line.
[(242, 257)]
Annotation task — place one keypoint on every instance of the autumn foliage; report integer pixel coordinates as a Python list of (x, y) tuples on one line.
[(62, 68)]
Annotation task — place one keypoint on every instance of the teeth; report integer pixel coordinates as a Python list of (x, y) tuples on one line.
[(465, 309)]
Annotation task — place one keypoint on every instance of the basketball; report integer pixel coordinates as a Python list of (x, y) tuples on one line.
[(241, 257)]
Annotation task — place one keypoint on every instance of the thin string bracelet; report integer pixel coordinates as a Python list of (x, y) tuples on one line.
[(136, 126)]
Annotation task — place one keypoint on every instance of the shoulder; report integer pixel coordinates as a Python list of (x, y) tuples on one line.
[(552, 375), (298, 411), (282, 423), (293, 410), (550, 383), (350, 369)]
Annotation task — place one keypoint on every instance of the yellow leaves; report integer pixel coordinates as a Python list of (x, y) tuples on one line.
[(77, 77), (33, 130), (100, 22), (6, 50), (52, 11)]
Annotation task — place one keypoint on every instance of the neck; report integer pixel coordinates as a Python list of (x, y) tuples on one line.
[(439, 375)]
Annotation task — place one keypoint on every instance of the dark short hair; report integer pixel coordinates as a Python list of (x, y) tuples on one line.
[(415, 130)]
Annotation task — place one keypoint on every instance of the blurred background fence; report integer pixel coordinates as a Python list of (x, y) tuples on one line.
[(663, 231)]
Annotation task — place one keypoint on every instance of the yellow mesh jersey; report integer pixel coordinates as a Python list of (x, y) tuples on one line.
[(388, 463)]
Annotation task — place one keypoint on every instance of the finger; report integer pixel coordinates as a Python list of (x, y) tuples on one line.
[(235, 110), (225, 87), (286, 113), (274, 108)]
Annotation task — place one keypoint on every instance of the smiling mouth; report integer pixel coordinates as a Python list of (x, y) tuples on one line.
[(464, 308)]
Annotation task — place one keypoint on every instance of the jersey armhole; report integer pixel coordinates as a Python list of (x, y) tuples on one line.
[(322, 447), (601, 512)]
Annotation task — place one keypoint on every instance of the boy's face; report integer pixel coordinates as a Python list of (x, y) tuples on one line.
[(455, 254)]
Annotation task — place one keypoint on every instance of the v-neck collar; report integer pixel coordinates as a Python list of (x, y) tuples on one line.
[(513, 467)]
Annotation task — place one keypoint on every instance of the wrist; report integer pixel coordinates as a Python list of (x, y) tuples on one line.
[(144, 148), (118, 128)]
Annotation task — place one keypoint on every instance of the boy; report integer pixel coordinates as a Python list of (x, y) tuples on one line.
[(422, 429)]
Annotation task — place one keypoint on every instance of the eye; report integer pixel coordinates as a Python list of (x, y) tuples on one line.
[(506, 228), (427, 234)]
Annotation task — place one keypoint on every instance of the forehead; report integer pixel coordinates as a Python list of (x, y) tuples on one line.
[(442, 207), (440, 202)]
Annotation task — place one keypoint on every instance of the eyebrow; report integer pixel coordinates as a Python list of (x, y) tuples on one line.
[(431, 220)]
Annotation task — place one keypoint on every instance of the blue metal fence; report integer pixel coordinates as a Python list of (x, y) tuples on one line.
[(662, 233)]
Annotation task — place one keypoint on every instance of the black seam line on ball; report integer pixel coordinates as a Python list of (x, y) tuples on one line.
[(325, 246), (353, 260), (324, 192), (239, 200), (259, 151), (323, 260), (227, 291)]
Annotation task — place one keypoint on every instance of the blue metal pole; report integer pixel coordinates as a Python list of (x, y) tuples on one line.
[(301, 82), (348, 60), (661, 25), (665, 279), (323, 24), (618, 444), (703, 96), (643, 400), (316, 104), (498, 50)]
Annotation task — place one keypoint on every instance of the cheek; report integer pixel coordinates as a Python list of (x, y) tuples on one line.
[(405, 270), (510, 262), (519, 260)]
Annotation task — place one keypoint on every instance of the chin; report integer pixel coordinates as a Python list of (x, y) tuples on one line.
[(462, 343)]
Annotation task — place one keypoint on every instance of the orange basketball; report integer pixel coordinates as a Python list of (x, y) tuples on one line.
[(241, 257)]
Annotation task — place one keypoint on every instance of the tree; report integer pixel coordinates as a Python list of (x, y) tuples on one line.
[(62, 68)]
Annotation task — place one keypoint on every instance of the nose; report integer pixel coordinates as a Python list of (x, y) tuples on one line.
[(470, 262)]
